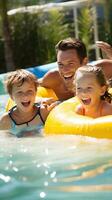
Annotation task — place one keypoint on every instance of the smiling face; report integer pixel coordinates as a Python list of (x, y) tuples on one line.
[(24, 95), (88, 89), (68, 62)]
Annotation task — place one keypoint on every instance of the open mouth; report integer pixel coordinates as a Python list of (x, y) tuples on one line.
[(67, 77), (86, 101), (26, 104)]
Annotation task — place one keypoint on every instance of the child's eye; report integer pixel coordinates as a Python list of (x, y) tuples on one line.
[(71, 63), (30, 91), (79, 88), (60, 65), (19, 93), (89, 88)]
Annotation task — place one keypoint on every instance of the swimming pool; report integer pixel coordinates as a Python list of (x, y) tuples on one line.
[(59, 167)]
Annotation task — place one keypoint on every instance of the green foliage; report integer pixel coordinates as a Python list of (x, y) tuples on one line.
[(53, 30), (35, 36), (24, 36), (2, 58), (105, 21), (85, 25)]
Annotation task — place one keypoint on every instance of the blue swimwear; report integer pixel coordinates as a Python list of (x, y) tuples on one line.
[(26, 129)]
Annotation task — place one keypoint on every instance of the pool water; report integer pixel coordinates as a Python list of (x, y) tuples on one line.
[(63, 167)]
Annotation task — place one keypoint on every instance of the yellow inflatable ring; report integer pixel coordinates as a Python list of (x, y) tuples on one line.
[(63, 120)]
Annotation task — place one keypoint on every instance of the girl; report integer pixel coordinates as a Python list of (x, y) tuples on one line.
[(91, 89), (27, 117)]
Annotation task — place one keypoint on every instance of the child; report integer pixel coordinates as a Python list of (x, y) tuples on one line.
[(27, 117), (91, 89)]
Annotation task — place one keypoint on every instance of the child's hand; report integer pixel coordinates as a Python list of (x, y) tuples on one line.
[(52, 105), (49, 103)]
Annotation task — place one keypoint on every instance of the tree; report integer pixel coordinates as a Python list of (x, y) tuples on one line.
[(7, 36)]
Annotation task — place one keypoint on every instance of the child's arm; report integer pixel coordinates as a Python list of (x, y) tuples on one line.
[(4, 122)]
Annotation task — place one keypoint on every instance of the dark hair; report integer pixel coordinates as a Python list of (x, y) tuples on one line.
[(100, 77), (18, 77), (70, 43)]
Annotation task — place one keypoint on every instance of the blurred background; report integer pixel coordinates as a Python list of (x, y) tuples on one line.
[(30, 29)]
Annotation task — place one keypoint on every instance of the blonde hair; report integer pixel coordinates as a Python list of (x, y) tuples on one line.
[(18, 77), (100, 77)]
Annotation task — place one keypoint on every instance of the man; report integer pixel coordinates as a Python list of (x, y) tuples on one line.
[(71, 54)]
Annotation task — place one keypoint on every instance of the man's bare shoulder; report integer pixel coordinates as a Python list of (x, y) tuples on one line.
[(51, 78)]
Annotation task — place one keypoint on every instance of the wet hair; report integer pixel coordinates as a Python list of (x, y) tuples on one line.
[(70, 43), (100, 77), (18, 77)]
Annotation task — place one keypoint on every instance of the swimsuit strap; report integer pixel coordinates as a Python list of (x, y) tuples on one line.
[(10, 114), (37, 113)]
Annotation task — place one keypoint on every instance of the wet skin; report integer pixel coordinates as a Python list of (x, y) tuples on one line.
[(61, 79), (89, 93), (24, 97)]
